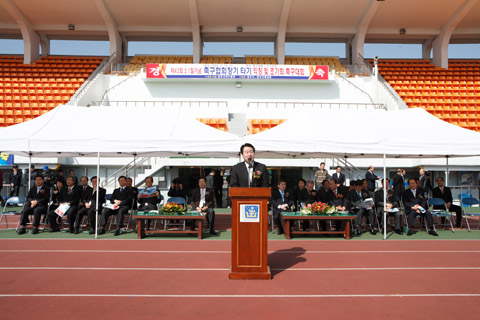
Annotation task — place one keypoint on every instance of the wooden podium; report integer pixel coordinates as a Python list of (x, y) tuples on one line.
[(249, 233)]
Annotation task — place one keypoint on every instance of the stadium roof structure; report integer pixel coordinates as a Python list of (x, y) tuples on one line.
[(354, 22)]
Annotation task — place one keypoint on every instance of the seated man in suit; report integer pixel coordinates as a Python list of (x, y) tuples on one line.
[(148, 201), (203, 200), (249, 173), (90, 205), (359, 206), (415, 203), (280, 203), (85, 194), (314, 196), (322, 194), (58, 195), (72, 198), (338, 198), (122, 202), (36, 204), (445, 193), (134, 192), (176, 189), (299, 194), (392, 206)]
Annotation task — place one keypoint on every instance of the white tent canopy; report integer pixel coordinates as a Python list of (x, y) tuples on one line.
[(170, 131), (117, 131), (338, 133)]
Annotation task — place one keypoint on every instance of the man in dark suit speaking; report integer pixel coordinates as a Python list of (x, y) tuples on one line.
[(249, 173)]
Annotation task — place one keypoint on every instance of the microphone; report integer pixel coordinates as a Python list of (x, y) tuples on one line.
[(250, 165)]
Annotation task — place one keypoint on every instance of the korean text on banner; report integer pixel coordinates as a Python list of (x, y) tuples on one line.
[(237, 71)]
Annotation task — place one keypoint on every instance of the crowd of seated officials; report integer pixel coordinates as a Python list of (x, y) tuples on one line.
[(362, 199)]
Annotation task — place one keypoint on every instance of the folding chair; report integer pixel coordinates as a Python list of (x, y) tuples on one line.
[(159, 205), (444, 213), (181, 201), (470, 202), (129, 213), (13, 201)]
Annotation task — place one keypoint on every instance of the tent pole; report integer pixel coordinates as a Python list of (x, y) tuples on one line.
[(446, 172), (134, 167), (385, 189), (96, 205), (29, 172)]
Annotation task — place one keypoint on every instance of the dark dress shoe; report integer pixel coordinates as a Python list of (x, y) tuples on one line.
[(117, 232), (71, 230), (77, 231), (55, 230), (373, 231), (91, 232), (280, 232), (101, 231), (410, 232), (21, 231), (213, 232), (35, 230), (358, 232), (398, 231), (432, 232)]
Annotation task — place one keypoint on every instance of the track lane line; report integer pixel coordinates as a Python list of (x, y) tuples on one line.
[(226, 269), (226, 251), (386, 295)]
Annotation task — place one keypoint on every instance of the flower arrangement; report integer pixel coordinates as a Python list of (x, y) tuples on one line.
[(318, 208), (172, 208)]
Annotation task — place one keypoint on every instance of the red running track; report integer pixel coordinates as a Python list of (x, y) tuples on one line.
[(188, 279)]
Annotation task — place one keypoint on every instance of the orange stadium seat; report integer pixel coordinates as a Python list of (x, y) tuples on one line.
[(34, 89), (446, 93)]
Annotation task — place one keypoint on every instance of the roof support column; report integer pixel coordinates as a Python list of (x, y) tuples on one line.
[(196, 34), (45, 45), (282, 31), (426, 49), (31, 40), (112, 28), (359, 38), (440, 43)]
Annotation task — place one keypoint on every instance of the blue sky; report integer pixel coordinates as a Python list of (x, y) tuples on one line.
[(239, 49)]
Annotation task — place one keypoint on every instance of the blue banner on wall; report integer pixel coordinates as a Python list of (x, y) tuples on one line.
[(6, 159)]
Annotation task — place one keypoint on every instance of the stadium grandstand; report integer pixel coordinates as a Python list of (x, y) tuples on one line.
[(249, 69), (37, 81)]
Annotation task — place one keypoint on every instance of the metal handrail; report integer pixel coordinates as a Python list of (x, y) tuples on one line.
[(329, 105), (391, 91), (100, 69), (124, 170), (358, 88), (157, 103), (348, 166), (118, 84)]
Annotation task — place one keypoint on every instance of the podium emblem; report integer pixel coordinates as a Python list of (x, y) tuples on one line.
[(249, 213)]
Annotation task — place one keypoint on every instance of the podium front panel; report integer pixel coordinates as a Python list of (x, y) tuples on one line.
[(249, 247), (249, 233)]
